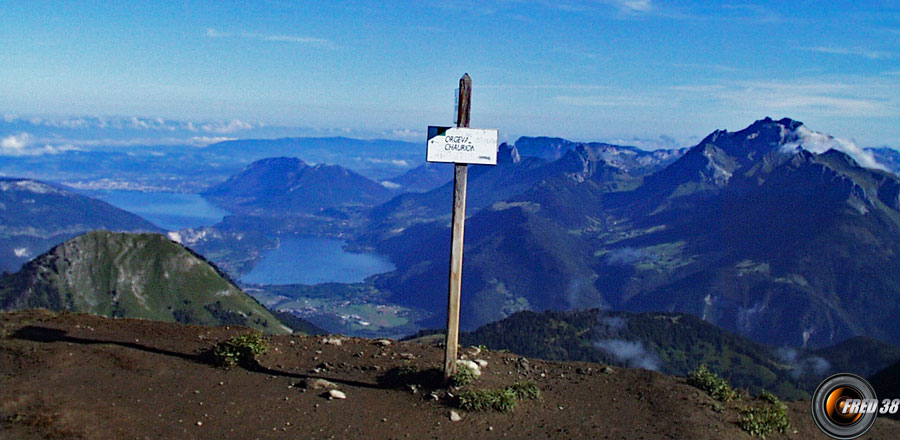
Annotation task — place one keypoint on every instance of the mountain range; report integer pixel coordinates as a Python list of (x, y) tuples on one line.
[(749, 230)]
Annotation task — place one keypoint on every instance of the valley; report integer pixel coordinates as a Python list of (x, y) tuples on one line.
[(558, 226)]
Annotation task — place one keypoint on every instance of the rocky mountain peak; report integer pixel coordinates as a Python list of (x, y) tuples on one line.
[(508, 154)]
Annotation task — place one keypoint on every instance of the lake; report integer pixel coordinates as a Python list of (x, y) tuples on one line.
[(312, 260), (171, 211)]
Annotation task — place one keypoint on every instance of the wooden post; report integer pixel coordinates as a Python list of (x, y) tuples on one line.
[(460, 177)]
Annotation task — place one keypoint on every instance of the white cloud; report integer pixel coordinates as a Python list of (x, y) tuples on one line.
[(391, 185), (276, 38), (819, 143), (224, 128), (202, 141), (837, 97), (631, 6), (866, 53), (212, 33), (394, 162), (405, 133), (630, 353), (16, 142), (605, 101), (24, 144), (288, 38)]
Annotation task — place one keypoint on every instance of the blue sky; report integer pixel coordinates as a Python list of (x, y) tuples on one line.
[(635, 71)]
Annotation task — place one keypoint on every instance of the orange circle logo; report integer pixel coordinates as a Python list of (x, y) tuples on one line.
[(844, 406), (837, 403)]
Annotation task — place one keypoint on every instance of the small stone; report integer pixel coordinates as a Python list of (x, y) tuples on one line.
[(199, 423), (476, 370), (407, 356), (481, 363), (336, 394), (331, 341), (383, 342), (318, 384), (454, 416), (607, 370)]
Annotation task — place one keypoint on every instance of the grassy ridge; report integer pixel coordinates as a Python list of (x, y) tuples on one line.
[(133, 275)]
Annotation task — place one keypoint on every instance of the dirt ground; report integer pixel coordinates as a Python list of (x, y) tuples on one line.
[(72, 376)]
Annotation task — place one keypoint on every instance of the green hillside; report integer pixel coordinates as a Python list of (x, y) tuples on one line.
[(136, 276), (678, 344)]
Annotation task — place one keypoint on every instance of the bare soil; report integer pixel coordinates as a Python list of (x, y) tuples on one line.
[(73, 376)]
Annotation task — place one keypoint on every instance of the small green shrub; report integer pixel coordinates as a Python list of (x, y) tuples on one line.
[(240, 350), (463, 376), (503, 400), (762, 420), (525, 390), (712, 384)]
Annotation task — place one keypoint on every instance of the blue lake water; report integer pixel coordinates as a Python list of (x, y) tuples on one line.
[(312, 260), (171, 211)]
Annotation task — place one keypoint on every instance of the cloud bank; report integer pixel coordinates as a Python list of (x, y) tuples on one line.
[(24, 144), (819, 143)]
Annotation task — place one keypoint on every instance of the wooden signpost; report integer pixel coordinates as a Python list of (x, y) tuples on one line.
[(461, 146)]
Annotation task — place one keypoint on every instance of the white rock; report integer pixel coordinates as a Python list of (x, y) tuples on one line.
[(383, 342), (476, 370), (331, 341), (481, 363), (454, 416), (335, 394)]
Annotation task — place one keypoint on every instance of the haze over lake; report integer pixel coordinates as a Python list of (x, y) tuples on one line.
[(313, 260), (168, 210)]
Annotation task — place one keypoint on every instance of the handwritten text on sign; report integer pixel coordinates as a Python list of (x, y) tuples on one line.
[(462, 145)]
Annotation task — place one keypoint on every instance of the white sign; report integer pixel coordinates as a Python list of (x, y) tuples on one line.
[(462, 145)]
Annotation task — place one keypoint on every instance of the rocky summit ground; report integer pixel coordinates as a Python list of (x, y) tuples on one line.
[(77, 376)]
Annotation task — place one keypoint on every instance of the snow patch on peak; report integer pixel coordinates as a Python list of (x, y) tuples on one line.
[(32, 186), (175, 236), (819, 143)]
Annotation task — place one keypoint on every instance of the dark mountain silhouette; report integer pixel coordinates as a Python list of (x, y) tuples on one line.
[(289, 186)]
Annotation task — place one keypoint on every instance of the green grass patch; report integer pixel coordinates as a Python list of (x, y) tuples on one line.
[(525, 390), (463, 376), (712, 384), (503, 399), (240, 350), (770, 416)]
